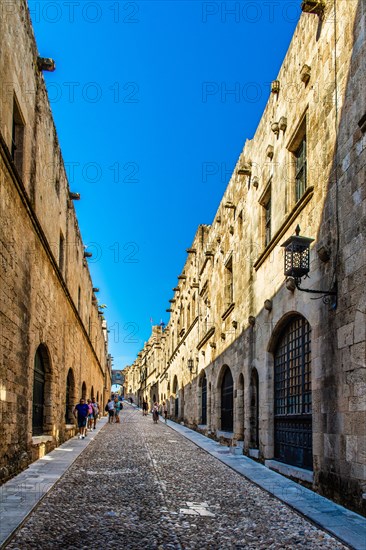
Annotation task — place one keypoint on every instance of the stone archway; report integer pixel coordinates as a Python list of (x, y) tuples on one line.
[(202, 413), (41, 414), (293, 393), (227, 400), (254, 410), (71, 397), (175, 397), (239, 431), (83, 391)]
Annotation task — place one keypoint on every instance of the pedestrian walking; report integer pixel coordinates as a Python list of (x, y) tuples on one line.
[(155, 413), (95, 406), (165, 411), (117, 409), (110, 409), (90, 415), (144, 407), (80, 412)]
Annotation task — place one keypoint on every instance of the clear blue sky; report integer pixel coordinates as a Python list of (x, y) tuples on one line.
[(150, 132)]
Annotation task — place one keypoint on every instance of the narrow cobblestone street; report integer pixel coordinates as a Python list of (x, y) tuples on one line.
[(139, 485)]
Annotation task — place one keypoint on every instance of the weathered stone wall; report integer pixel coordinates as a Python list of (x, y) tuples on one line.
[(239, 328), (46, 299)]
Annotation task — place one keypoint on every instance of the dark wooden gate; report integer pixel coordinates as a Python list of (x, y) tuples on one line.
[(204, 401), (227, 402), (176, 407), (293, 419), (38, 395)]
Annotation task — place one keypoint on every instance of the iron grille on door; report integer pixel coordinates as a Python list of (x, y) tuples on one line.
[(227, 401), (293, 423), (38, 394), (204, 401)]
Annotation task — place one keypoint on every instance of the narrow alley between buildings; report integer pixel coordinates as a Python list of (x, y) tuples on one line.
[(138, 485)]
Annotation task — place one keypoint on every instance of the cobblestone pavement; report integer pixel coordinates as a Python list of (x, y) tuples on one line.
[(139, 485)]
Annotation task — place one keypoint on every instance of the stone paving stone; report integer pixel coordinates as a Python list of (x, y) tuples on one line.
[(131, 487)]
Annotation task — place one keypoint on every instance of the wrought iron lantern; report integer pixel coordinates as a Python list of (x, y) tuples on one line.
[(297, 265), (190, 365), (297, 256)]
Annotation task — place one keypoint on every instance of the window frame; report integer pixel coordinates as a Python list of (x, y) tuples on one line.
[(17, 137), (266, 220), (298, 149)]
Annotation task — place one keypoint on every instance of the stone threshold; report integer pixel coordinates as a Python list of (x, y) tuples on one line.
[(288, 470)]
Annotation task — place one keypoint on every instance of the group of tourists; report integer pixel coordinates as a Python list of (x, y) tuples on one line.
[(86, 413), (113, 408), (156, 410)]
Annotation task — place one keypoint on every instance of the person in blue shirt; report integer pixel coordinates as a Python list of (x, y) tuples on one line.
[(81, 411)]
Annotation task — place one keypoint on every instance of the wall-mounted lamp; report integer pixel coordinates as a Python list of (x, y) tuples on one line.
[(297, 265), (95, 289), (191, 367), (87, 254)]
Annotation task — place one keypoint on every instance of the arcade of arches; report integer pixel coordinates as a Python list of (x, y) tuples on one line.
[(268, 409), (43, 414)]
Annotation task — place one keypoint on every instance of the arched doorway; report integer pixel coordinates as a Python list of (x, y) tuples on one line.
[(240, 408), (204, 400), (39, 382), (254, 410), (292, 394), (227, 401), (70, 401), (176, 398), (83, 391), (92, 392)]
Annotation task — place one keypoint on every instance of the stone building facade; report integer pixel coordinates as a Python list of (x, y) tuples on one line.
[(246, 356), (53, 340)]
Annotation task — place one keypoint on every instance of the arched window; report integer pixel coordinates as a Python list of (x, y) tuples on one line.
[(292, 386), (227, 401), (39, 380)]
